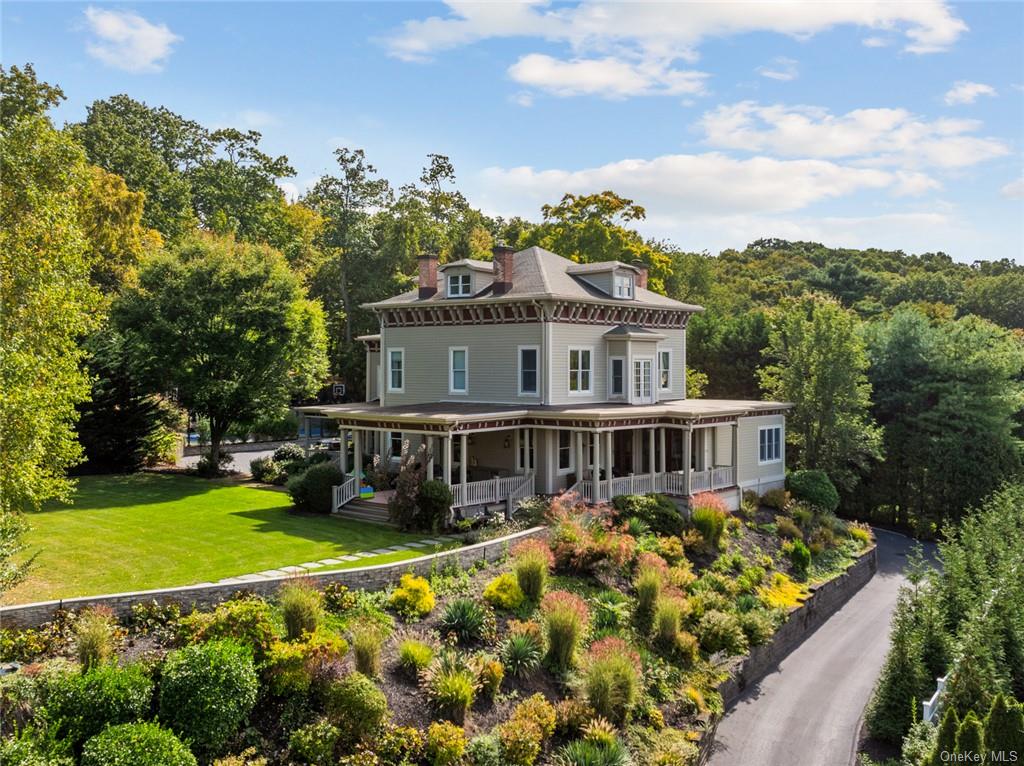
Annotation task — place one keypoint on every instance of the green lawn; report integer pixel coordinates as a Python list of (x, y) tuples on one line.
[(150, 530)]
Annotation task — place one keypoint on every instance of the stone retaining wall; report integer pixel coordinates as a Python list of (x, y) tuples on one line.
[(824, 601), (207, 595), (192, 450)]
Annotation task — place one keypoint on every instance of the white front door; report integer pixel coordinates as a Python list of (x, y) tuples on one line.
[(643, 381)]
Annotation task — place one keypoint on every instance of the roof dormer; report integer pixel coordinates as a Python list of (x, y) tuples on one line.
[(465, 278), (616, 279)]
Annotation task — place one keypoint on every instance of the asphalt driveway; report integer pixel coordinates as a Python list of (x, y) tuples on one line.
[(807, 711)]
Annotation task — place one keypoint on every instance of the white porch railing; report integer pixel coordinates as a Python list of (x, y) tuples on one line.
[(489, 490), (668, 483), (345, 492), (635, 484), (673, 483), (521, 491), (723, 476), (931, 707)]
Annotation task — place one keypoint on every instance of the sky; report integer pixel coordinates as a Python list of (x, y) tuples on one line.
[(897, 125)]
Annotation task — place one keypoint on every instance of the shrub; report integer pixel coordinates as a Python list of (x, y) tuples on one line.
[(672, 748), (366, 648), (521, 653), (399, 745), (136, 744), (267, 470), (861, 533), (750, 578), (520, 745), (582, 752), (446, 744), (315, 743), (338, 599), (94, 637), (289, 453), (775, 498), (434, 502), (402, 506), (687, 648), (648, 584), (312, 490), (721, 631), (531, 562), (290, 666), (757, 626), (79, 706), (207, 691), (710, 522), (658, 512), (800, 557), (565, 622), (787, 529), (489, 675), (611, 610), (451, 684), (668, 617), (484, 750), (571, 715), (301, 608), (503, 592), (246, 621), (610, 678), (414, 656), (468, 620), (814, 487), (413, 597), (356, 706), (802, 516), (536, 711)]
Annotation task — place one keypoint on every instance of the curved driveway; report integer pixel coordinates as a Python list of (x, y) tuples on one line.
[(807, 711)]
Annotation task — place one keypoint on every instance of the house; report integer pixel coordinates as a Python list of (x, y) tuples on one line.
[(535, 374)]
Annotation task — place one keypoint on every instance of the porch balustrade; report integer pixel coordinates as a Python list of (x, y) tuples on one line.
[(673, 483)]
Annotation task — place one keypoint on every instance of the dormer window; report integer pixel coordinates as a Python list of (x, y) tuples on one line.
[(459, 285), (623, 286)]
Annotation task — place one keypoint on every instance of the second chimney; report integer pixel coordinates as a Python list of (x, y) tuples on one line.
[(502, 268), (428, 274), (641, 277)]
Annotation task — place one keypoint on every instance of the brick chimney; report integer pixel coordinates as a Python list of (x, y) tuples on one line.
[(502, 268), (641, 278), (428, 274)]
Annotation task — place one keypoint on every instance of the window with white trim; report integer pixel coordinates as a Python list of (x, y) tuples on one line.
[(580, 371), (565, 450), (769, 444), (396, 443), (623, 285), (458, 370), (617, 382), (529, 357), (459, 285), (664, 370), (396, 369)]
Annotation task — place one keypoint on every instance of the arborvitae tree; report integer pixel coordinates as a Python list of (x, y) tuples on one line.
[(1004, 728), (904, 678), (979, 673), (970, 737), (946, 740)]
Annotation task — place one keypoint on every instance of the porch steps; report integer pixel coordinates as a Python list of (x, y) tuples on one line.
[(371, 513)]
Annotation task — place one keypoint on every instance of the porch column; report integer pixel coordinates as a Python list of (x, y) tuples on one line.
[(429, 441), (577, 437), (650, 455), (610, 460), (595, 477), (463, 456), (687, 447), (357, 454), (343, 452), (447, 462), (531, 448), (662, 455)]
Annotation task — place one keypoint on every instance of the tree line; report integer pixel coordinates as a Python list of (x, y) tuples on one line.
[(152, 265)]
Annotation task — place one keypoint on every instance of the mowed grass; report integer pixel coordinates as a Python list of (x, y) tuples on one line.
[(125, 533)]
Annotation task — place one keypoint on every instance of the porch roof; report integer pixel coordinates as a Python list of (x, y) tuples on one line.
[(460, 416)]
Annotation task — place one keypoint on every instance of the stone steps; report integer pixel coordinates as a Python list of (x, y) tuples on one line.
[(371, 513)]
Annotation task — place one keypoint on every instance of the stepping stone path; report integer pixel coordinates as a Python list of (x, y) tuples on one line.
[(333, 562)]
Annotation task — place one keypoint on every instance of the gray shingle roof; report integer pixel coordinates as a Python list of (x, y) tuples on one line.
[(471, 263), (537, 274)]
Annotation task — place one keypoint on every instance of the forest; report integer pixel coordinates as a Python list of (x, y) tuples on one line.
[(137, 242)]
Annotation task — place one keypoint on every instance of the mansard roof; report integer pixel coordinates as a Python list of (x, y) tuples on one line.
[(539, 274)]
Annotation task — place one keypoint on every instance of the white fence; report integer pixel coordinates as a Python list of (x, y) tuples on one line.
[(345, 492), (491, 490), (932, 706), (668, 483)]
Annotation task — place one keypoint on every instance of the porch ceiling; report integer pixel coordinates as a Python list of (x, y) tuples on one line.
[(468, 416)]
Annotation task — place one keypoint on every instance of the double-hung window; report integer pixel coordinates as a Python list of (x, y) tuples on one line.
[(664, 370), (623, 286), (565, 450), (459, 285), (396, 369), (769, 444), (617, 385), (528, 369), (580, 371), (458, 370)]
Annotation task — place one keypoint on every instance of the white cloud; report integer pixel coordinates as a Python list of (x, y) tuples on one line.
[(291, 191), (780, 68), (966, 92), (127, 41), (874, 137), (669, 30), (1014, 189), (874, 42), (610, 77)]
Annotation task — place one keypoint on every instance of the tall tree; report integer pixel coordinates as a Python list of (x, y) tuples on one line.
[(817, 360), (227, 328), (47, 303)]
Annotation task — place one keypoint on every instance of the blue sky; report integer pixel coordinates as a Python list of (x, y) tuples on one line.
[(892, 124)]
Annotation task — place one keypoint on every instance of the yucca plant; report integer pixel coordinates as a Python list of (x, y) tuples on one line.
[(583, 752), (521, 653), (451, 685), (467, 620)]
